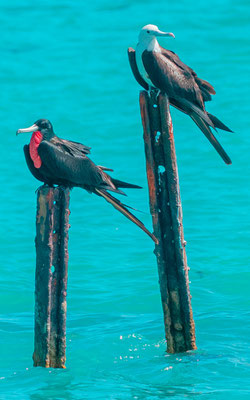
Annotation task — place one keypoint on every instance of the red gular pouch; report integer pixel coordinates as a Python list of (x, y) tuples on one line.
[(35, 140)]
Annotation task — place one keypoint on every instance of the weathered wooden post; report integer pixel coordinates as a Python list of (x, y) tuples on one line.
[(52, 224), (166, 210)]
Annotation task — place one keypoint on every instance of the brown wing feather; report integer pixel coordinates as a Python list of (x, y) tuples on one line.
[(133, 65), (205, 87), (170, 78)]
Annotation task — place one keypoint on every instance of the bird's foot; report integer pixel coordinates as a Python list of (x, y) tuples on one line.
[(153, 94), (157, 93), (150, 89)]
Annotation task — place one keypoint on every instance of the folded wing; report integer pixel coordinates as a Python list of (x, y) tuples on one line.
[(170, 78), (79, 170)]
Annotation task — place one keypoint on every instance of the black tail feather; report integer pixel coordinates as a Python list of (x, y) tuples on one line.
[(212, 139), (218, 124), (121, 184), (121, 207), (203, 120), (188, 107)]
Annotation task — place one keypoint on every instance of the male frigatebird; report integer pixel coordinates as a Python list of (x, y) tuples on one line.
[(56, 161), (156, 67)]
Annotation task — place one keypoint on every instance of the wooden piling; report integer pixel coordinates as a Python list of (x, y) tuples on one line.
[(166, 211), (52, 224)]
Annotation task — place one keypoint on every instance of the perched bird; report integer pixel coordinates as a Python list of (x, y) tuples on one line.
[(157, 68), (56, 161)]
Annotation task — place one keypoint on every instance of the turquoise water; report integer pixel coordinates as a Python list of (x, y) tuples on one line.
[(66, 61)]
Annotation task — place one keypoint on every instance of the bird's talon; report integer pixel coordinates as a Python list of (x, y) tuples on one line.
[(157, 93)]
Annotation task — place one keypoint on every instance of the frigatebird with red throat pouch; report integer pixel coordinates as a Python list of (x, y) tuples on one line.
[(56, 161)]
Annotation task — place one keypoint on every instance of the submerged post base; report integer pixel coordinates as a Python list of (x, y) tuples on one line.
[(166, 210), (52, 224)]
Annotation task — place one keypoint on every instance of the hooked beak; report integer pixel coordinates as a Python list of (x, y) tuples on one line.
[(160, 33), (32, 128)]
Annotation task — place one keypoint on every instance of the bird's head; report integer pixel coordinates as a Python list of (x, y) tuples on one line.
[(42, 125), (148, 32)]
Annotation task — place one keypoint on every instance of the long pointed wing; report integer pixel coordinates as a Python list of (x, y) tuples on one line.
[(77, 170), (170, 78), (133, 65)]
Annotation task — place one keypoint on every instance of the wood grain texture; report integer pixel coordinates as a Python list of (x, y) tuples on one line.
[(52, 224), (166, 210)]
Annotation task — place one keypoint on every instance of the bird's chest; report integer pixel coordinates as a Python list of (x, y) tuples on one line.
[(140, 48), (35, 140), (140, 66)]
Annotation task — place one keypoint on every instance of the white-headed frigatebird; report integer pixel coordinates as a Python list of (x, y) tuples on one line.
[(57, 161), (155, 67)]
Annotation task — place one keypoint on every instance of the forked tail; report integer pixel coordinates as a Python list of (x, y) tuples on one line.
[(204, 127), (218, 124), (121, 207), (203, 120)]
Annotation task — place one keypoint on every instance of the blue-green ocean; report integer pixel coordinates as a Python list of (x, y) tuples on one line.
[(66, 60)]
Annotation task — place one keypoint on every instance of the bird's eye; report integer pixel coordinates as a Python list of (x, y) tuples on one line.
[(148, 31)]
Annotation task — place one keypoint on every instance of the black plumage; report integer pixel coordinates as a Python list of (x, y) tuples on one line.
[(57, 161)]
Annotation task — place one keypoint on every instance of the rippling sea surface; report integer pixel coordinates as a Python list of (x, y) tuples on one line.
[(66, 61)]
